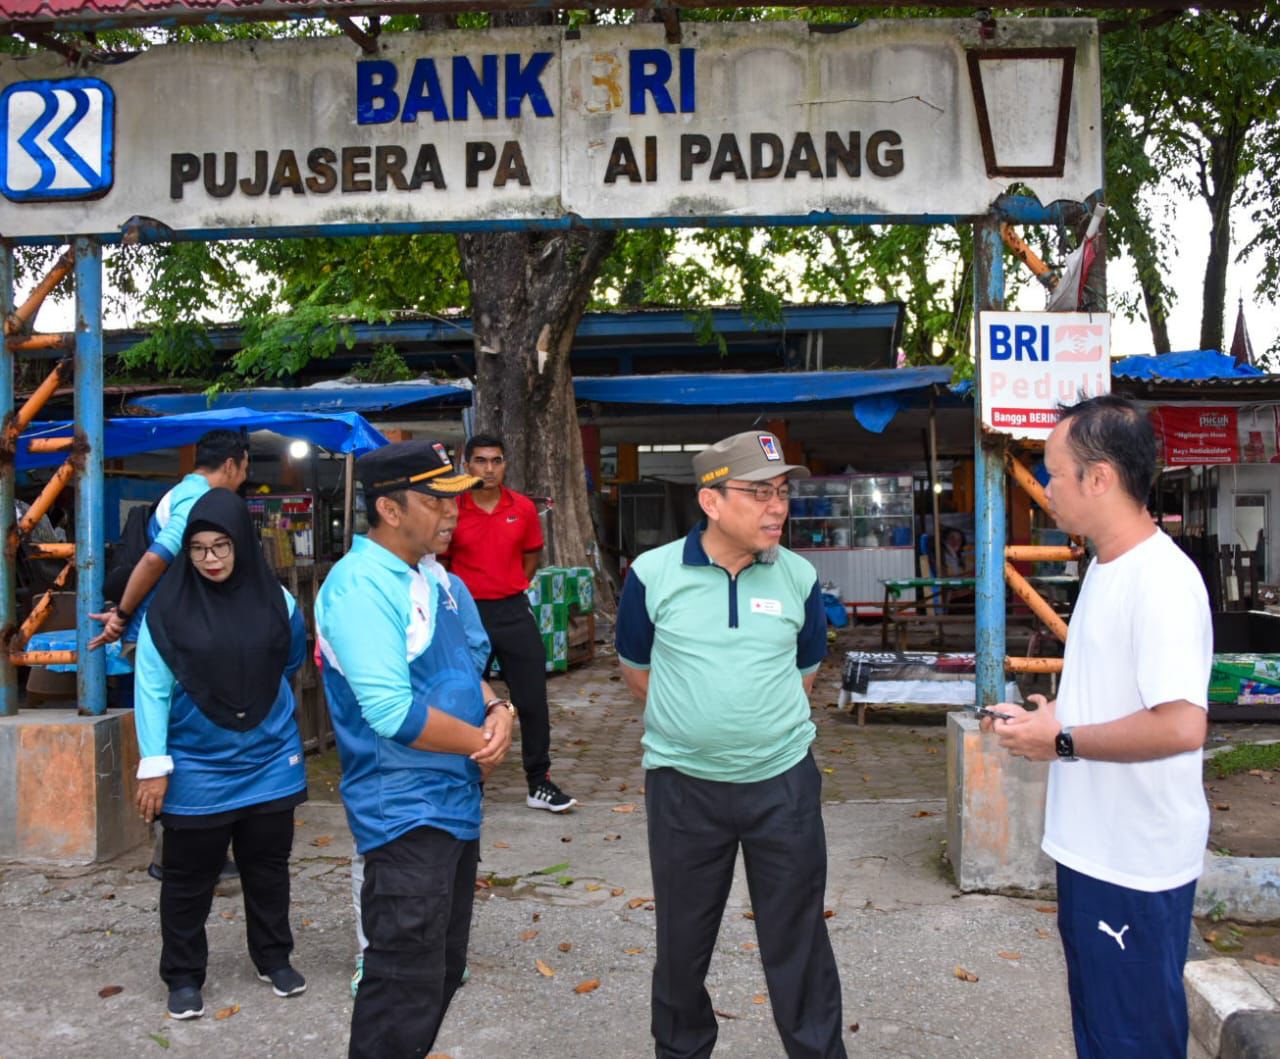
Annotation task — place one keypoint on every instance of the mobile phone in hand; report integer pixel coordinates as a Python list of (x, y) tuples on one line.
[(983, 711)]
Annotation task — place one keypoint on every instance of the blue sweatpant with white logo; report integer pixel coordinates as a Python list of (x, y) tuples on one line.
[(1125, 951)]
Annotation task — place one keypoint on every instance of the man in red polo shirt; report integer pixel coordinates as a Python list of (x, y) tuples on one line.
[(495, 550)]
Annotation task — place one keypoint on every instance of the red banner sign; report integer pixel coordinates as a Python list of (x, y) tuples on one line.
[(1198, 434)]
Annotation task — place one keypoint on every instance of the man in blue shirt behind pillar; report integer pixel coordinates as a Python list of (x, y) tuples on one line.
[(417, 731)]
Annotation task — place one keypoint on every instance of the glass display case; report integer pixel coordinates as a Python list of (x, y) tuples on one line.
[(852, 511)]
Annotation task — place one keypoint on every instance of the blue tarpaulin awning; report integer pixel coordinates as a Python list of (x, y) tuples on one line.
[(341, 432), (1194, 364), (352, 397), (876, 395)]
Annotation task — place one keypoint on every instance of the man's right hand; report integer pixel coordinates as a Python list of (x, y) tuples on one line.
[(113, 627)]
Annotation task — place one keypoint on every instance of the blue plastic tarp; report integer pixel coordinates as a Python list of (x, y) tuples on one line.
[(1195, 364), (341, 432), (877, 395), (359, 397)]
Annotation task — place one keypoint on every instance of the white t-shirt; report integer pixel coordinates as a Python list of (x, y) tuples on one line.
[(1140, 635)]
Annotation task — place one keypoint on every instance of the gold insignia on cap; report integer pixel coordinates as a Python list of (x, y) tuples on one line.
[(712, 475)]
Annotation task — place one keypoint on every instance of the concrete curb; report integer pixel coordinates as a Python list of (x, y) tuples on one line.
[(1246, 889), (1233, 1008)]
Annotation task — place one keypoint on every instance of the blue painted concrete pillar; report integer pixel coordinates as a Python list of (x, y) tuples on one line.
[(91, 666), (989, 478), (8, 572)]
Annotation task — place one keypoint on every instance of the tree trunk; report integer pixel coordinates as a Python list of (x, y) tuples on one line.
[(1219, 191), (528, 293)]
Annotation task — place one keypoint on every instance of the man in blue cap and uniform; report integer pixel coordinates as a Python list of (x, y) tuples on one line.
[(417, 731)]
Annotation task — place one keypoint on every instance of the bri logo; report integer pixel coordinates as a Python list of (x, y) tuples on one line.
[(56, 139)]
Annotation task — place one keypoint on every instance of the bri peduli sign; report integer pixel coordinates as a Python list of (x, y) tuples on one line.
[(1032, 362)]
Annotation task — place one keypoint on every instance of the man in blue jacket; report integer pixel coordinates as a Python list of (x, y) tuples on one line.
[(417, 731)]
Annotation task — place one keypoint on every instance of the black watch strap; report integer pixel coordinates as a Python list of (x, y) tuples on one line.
[(1065, 746)]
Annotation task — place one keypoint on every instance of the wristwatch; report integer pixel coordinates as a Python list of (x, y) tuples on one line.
[(494, 704), (1065, 746), (124, 615)]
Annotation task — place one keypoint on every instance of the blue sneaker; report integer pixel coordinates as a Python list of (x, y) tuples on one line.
[(285, 981), (185, 1003)]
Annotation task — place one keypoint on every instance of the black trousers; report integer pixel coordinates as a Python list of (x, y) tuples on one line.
[(192, 860), (517, 645), (695, 829), (415, 907)]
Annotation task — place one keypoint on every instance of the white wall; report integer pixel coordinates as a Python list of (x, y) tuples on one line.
[(1261, 478)]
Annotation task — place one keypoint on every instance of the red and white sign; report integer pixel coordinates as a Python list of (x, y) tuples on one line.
[(1200, 434), (1032, 362)]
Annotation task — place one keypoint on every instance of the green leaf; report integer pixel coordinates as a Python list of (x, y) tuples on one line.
[(555, 869), (162, 1041)]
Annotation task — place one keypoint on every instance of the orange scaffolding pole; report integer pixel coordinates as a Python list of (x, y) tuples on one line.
[(20, 319), (43, 608), (1038, 553), (42, 550), (40, 506), (1032, 665), (50, 444), (43, 658), (37, 401), (1039, 606), (31, 343)]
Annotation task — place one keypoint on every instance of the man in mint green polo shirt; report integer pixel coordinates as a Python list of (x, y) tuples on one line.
[(720, 634)]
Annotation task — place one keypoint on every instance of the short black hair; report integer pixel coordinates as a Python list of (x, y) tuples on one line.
[(218, 446), (401, 498), (1112, 430), (482, 441)]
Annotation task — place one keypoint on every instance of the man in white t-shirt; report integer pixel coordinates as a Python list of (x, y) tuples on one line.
[(1126, 819)]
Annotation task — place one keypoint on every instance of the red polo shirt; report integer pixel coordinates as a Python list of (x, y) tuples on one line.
[(488, 547)]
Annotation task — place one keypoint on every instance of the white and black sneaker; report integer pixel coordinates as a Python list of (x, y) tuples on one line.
[(185, 1002), (285, 981), (546, 795)]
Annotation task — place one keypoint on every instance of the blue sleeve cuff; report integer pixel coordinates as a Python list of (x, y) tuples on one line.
[(159, 549), (411, 727), (633, 635), (811, 644)]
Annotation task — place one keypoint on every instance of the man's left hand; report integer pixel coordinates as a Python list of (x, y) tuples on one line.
[(497, 737), (1031, 734)]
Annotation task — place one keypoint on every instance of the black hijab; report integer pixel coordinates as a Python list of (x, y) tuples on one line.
[(226, 643)]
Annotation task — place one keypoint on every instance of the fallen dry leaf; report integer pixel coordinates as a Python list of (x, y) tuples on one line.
[(320, 840), (528, 935), (439, 1055), (866, 778), (484, 884), (965, 976), (544, 969), (110, 990), (1047, 909), (748, 915), (828, 913), (612, 838), (617, 891), (307, 922), (759, 998), (227, 915), (1222, 807), (592, 887), (636, 902), (828, 772), (535, 917), (724, 1014), (226, 1013), (565, 946), (621, 787), (589, 986), (626, 807), (1266, 959), (749, 946), (566, 838), (1009, 955), (502, 845), (633, 952), (931, 750), (1041, 932), (923, 812), (854, 1027)]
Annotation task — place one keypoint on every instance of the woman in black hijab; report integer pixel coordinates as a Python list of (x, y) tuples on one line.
[(221, 754)]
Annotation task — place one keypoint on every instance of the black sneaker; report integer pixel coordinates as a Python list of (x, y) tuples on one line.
[(546, 795), (285, 981), (185, 1003)]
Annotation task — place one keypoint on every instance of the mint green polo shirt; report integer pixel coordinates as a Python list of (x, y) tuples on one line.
[(726, 659)]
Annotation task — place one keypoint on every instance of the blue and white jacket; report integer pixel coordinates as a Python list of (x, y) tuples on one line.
[(395, 647), (214, 769)]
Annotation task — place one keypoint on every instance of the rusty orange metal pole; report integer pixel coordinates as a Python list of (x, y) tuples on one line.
[(18, 320), (37, 400), (43, 658), (43, 608), (1027, 480), (50, 444), (1037, 553), (48, 495), (34, 343), (50, 551), (1039, 606), (1033, 665), (1018, 247)]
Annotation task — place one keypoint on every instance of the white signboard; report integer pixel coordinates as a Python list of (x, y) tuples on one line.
[(1032, 362), (758, 121)]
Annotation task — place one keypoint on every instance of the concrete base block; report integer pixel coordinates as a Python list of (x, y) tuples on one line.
[(1246, 889), (67, 787), (995, 813), (1216, 990)]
